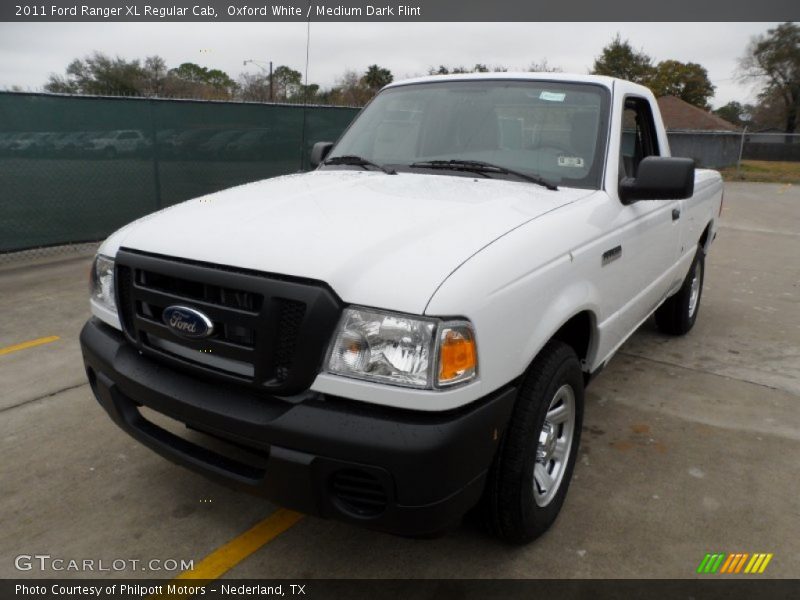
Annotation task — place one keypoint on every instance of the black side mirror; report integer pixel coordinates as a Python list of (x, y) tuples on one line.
[(659, 178), (318, 153)]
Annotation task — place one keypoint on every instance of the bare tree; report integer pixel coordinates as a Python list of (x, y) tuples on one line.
[(774, 60), (254, 87), (154, 75), (543, 67)]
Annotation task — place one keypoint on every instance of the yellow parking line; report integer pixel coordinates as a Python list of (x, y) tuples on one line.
[(228, 556), (224, 558), (29, 344)]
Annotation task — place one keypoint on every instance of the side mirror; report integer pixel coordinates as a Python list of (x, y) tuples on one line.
[(659, 178), (318, 153)]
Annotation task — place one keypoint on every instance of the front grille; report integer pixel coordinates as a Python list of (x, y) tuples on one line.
[(269, 331), (290, 317), (359, 493)]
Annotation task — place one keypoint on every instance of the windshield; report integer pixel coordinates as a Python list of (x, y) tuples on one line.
[(554, 130)]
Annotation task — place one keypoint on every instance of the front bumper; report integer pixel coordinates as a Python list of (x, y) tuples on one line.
[(400, 471)]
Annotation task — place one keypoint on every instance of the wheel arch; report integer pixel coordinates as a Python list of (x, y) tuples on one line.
[(578, 333), (705, 237), (578, 330)]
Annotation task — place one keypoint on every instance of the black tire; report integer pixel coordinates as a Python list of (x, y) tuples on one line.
[(512, 510), (678, 314)]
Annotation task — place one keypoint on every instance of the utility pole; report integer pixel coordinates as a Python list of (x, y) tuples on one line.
[(258, 63), (741, 151)]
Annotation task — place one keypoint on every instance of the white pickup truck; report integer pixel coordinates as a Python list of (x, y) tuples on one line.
[(405, 332)]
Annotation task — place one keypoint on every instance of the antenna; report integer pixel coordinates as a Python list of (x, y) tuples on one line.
[(305, 91)]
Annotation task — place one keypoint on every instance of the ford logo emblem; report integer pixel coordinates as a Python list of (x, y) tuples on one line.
[(187, 322)]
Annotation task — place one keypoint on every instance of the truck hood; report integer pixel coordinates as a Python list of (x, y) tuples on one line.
[(378, 240)]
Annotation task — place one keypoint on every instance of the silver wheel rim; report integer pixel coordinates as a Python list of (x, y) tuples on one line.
[(694, 293), (554, 445)]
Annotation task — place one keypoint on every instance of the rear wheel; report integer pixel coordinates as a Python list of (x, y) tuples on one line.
[(679, 312), (530, 475)]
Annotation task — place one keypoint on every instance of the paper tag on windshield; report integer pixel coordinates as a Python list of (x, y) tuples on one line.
[(570, 161), (552, 96)]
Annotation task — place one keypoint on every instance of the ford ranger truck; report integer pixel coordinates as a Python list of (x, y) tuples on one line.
[(405, 332)]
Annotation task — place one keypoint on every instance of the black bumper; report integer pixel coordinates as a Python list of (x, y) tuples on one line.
[(405, 472)]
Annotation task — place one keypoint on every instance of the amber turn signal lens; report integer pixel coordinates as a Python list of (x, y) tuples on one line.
[(458, 357)]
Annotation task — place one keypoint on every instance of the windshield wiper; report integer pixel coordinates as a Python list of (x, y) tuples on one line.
[(479, 166), (358, 161)]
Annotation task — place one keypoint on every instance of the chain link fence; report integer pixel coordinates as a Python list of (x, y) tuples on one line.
[(771, 146), (720, 149), (74, 169)]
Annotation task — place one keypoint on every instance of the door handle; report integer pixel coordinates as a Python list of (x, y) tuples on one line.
[(676, 214)]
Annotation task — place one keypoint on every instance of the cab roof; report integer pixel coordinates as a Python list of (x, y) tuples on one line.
[(607, 82)]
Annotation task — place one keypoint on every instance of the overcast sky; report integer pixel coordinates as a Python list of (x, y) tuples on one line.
[(29, 52)]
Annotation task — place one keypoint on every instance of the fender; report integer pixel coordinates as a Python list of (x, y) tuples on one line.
[(573, 300)]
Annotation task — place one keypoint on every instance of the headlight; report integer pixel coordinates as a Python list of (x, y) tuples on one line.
[(102, 282), (402, 350)]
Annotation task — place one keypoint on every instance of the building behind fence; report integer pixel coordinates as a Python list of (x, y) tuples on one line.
[(709, 149), (719, 149), (74, 169), (695, 133), (715, 143)]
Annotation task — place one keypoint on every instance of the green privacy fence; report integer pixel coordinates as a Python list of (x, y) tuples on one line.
[(74, 169)]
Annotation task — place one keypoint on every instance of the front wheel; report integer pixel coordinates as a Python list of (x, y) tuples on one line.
[(679, 312), (530, 475)]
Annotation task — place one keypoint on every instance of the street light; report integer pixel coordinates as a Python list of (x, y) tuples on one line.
[(258, 63)]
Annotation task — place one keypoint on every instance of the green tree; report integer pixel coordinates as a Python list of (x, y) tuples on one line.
[(735, 112), (687, 81), (309, 93), (190, 72), (619, 59), (202, 81), (376, 77), (220, 80), (286, 83), (774, 60), (98, 74)]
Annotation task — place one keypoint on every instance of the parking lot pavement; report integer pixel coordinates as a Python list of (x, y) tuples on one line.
[(689, 446)]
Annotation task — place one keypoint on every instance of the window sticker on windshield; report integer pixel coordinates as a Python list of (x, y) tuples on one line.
[(570, 161), (552, 96)]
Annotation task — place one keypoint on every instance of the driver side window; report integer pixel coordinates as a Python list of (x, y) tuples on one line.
[(638, 136)]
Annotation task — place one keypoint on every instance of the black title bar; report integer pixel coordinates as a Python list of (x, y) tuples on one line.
[(710, 588), (402, 11)]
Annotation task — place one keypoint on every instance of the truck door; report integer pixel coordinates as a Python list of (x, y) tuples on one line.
[(648, 229)]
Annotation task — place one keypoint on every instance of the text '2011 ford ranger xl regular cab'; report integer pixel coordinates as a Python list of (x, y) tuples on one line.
[(405, 332)]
